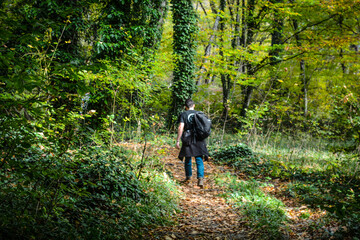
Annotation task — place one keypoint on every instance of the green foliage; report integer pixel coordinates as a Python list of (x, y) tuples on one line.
[(265, 212), (90, 193), (242, 158), (317, 178), (228, 153), (339, 196), (346, 118), (185, 30), (128, 27), (54, 183), (53, 64), (307, 32)]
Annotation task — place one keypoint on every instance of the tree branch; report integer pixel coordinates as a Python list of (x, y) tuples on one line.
[(308, 26)]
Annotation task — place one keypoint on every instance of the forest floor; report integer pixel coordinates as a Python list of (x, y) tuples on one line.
[(205, 214)]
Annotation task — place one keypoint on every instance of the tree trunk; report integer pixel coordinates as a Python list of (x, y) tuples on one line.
[(247, 98), (343, 67), (249, 26), (223, 76), (235, 42), (183, 87), (305, 80), (305, 83), (276, 41)]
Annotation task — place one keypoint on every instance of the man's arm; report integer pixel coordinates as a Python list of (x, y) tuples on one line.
[(180, 132)]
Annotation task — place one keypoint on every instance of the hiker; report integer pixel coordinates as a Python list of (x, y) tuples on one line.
[(190, 147)]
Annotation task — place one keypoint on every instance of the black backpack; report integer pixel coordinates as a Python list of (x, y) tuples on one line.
[(202, 126)]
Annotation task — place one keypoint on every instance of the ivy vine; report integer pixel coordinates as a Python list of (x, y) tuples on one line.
[(185, 30)]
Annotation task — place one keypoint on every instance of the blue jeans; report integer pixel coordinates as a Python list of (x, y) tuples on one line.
[(199, 167)]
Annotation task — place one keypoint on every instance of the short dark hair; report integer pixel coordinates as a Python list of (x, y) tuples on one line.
[(189, 103)]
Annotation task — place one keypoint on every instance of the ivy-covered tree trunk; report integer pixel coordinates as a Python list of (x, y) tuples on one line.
[(185, 29)]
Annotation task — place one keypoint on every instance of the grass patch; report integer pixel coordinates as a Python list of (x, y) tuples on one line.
[(264, 212), (318, 177), (306, 152)]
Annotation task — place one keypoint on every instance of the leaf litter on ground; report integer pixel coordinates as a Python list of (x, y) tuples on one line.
[(206, 214)]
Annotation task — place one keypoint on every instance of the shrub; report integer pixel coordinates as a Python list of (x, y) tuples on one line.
[(229, 153), (242, 158), (87, 194)]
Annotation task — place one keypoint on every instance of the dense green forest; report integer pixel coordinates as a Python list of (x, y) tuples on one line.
[(90, 92)]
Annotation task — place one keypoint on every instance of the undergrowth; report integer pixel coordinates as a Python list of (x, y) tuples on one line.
[(332, 188), (92, 193), (264, 212)]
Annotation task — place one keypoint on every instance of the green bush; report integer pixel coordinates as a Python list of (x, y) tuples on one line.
[(242, 158), (92, 193), (229, 153)]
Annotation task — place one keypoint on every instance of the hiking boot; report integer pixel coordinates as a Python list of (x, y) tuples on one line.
[(187, 179), (201, 182)]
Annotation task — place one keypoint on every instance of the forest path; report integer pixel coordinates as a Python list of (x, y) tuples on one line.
[(204, 214)]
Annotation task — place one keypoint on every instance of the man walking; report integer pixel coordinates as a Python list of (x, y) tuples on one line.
[(191, 147)]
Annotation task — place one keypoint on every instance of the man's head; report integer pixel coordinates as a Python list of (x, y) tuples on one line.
[(189, 103)]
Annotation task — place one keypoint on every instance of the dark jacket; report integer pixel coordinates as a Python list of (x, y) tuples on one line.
[(194, 148)]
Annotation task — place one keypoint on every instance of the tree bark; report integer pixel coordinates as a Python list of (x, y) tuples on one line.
[(276, 42), (247, 99), (223, 76), (305, 80), (249, 26), (305, 83)]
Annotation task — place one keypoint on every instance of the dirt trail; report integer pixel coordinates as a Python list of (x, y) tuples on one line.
[(205, 215)]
